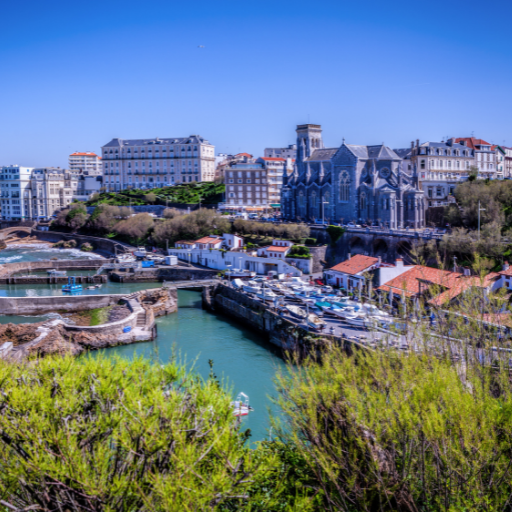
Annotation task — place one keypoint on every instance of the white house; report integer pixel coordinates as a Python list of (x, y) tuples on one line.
[(278, 249), (209, 242), (183, 244), (349, 274), (232, 241)]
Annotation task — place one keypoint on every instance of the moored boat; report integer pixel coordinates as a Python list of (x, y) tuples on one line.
[(56, 273), (241, 405)]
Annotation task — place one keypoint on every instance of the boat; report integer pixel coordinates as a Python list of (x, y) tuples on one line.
[(266, 294), (375, 313), (327, 307), (241, 405), (56, 273), (239, 274), (252, 287), (140, 252), (71, 287), (314, 322), (356, 319), (295, 311), (126, 258)]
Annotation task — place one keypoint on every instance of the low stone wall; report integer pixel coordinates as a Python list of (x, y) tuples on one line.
[(303, 264), (103, 246), (318, 254), (163, 274), (53, 280), (7, 269), (51, 304)]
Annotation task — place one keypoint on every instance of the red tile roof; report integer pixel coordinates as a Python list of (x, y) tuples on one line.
[(462, 284), (471, 142), (277, 248), (356, 264), (244, 154), (408, 283), (273, 158), (83, 154), (188, 242), (208, 240)]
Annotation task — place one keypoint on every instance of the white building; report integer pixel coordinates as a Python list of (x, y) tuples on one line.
[(350, 273), (289, 152), (88, 163), (15, 192), (150, 163), (485, 157), (279, 249), (276, 169)]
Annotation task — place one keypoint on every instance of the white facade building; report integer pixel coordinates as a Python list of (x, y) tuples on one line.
[(289, 152), (15, 192), (485, 157), (87, 163), (150, 163)]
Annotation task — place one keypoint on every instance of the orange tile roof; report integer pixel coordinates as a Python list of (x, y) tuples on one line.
[(208, 240), (83, 154), (462, 284), (244, 154), (188, 242), (507, 272), (356, 264), (273, 158), (277, 248), (408, 283), (471, 142)]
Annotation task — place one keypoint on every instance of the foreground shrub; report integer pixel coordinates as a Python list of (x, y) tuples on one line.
[(98, 434), (86, 247), (385, 432)]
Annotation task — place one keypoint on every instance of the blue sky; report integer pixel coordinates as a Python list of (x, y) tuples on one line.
[(73, 75)]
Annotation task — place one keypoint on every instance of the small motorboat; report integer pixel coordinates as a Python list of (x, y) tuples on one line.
[(56, 273), (252, 287), (239, 274), (313, 321), (327, 307), (140, 252), (357, 319), (295, 311), (266, 294), (71, 287), (241, 405)]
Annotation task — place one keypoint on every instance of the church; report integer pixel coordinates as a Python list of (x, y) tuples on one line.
[(360, 184)]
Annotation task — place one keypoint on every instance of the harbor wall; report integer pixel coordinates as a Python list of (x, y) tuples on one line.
[(52, 304), (163, 274), (8, 269)]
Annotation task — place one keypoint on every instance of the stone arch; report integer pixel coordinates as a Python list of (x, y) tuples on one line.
[(403, 250), (380, 247), (357, 246)]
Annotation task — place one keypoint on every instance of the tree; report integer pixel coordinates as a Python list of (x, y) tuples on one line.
[(150, 198), (135, 228), (73, 217)]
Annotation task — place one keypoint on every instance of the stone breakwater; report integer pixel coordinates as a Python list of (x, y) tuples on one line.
[(22, 341)]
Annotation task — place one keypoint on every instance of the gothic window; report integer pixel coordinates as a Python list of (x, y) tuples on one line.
[(344, 188), (313, 199), (362, 201), (301, 198)]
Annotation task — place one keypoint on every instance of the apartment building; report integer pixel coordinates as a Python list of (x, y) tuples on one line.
[(88, 163), (150, 163), (246, 185), (501, 164), (276, 169), (37, 193), (289, 152), (508, 163), (15, 192), (485, 157), (439, 166)]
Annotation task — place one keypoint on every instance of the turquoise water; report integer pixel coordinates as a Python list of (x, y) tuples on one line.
[(242, 358)]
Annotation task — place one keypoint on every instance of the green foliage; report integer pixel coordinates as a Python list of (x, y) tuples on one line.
[(293, 232), (103, 434), (310, 241), (380, 431), (299, 251), (86, 247), (335, 233)]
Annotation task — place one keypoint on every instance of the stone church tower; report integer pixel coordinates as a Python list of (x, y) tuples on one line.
[(309, 138)]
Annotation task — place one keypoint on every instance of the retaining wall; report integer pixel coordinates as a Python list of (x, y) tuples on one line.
[(8, 269), (52, 304), (163, 274)]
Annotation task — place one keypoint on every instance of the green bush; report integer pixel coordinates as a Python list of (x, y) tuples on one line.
[(310, 241), (299, 251), (86, 247), (335, 233)]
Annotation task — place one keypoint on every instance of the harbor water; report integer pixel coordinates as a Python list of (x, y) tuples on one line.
[(242, 359)]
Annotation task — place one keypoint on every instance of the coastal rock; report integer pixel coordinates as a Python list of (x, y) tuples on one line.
[(18, 334)]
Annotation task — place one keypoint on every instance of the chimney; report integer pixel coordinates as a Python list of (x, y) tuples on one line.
[(412, 144), (399, 262), (379, 262), (505, 265), (349, 256), (467, 272), (417, 143)]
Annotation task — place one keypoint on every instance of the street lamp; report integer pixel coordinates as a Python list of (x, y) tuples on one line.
[(479, 210)]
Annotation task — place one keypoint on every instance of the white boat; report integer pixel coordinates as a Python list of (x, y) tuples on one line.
[(238, 283), (241, 405), (266, 294), (252, 287), (376, 314), (238, 274), (126, 258), (357, 319), (295, 311), (140, 252), (56, 273), (314, 322)]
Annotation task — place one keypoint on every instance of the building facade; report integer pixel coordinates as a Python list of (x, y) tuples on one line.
[(440, 167), (500, 156), (150, 163), (276, 169), (246, 185), (508, 163), (86, 163), (485, 157), (289, 152), (38, 193), (15, 192), (351, 183)]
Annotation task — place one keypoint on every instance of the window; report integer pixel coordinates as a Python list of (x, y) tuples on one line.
[(344, 187), (313, 199), (362, 201), (422, 164)]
